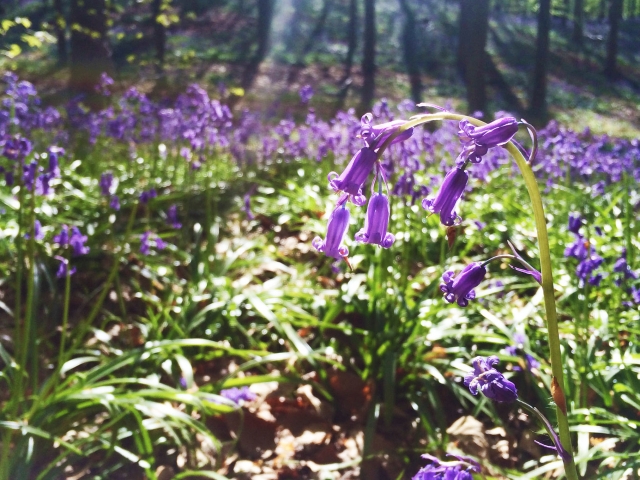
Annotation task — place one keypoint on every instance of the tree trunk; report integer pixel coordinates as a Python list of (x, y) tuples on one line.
[(90, 54), (60, 27), (603, 10), (566, 11), (352, 38), (159, 32), (464, 37), (265, 17), (474, 25), (317, 30), (369, 55), (611, 62), (538, 107), (410, 50), (578, 22)]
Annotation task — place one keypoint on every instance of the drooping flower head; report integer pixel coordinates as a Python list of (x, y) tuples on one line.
[(376, 223), (375, 135), (478, 140), (336, 228), (352, 178), (490, 382), (575, 222), (459, 469), (460, 288), (450, 192), (106, 183), (63, 268)]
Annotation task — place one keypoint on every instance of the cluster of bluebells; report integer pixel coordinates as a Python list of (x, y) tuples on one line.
[(582, 250), (149, 239), (625, 278), (107, 189), (75, 241)]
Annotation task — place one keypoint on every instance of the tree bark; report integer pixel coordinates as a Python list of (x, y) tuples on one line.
[(411, 51), (352, 38), (611, 62), (90, 53), (464, 39), (474, 25), (265, 17), (578, 22), (538, 106), (61, 32), (369, 55), (317, 30)]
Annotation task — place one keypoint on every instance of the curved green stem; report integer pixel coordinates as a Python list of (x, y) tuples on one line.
[(558, 385)]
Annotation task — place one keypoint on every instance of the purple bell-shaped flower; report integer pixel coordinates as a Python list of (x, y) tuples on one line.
[(352, 178), (478, 140), (460, 288), (336, 228), (450, 192), (491, 383), (375, 135), (376, 223)]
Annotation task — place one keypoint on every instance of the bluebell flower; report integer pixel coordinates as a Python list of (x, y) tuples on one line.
[(38, 233), (376, 223), (306, 93), (490, 382), (354, 175), (450, 192), (145, 247), (237, 395), (106, 183), (147, 195), (62, 238), (460, 288), (478, 140), (16, 148), (336, 228), (172, 217), (247, 206), (461, 469), (77, 241), (114, 202), (29, 175), (63, 268), (375, 135), (575, 222)]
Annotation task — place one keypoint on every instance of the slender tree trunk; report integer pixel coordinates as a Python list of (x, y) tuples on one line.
[(611, 62), (566, 11), (317, 30), (632, 8), (472, 58), (578, 22), (159, 32), (464, 38), (538, 107), (352, 38), (410, 49), (369, 55), (90, 54), (60, 28), (265, 17), (603, 10)]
